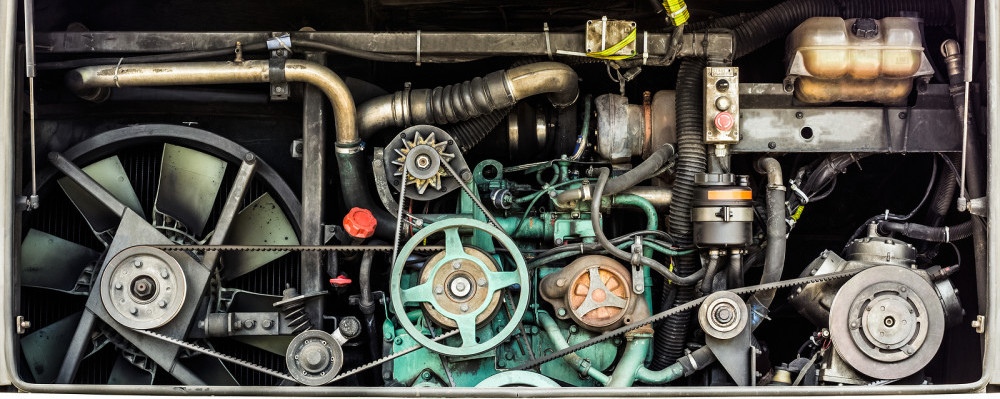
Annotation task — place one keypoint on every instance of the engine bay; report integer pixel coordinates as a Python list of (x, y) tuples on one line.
[(628, 197)]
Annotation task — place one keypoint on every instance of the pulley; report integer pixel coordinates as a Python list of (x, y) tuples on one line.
[(459, 288), (423, 150)]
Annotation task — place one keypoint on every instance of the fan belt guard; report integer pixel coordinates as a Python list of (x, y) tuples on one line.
[(422, 149)]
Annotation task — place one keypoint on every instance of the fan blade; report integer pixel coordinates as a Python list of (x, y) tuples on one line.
[(189, 184), (110, 174), (210, 370), (276, 344), (51, 262), (45, 348), (126, 373), (262, 222)]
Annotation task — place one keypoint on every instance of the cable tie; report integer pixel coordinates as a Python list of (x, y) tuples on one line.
[(116, 71), (418, 47), (548, 41), (645, 46)]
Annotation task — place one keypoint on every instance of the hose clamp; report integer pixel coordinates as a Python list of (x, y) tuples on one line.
[(418, 47), (548, 40)]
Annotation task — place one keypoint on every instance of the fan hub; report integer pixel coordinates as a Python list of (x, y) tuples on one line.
[(143, 288)]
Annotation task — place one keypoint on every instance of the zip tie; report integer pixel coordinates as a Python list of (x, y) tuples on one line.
[(418, 47), (116, 71), (678, 12), (645, 46), (548, 41), (798, 192)]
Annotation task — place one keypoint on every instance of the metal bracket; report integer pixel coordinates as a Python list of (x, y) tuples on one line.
[(27, 202), (22, 325), (638, 276), (976, 206), (979, 324), (276, 66)]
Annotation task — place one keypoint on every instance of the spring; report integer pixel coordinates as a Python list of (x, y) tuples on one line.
[(292, 307)]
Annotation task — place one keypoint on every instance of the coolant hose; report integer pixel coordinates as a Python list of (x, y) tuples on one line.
[(774, 256), (470, 99), (366, 304), (670, 337), (775, 22), (928, 233), (351, 162), (710, 270), (595, 219)]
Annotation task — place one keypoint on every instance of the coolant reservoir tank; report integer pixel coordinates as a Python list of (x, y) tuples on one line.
[(832, 59)]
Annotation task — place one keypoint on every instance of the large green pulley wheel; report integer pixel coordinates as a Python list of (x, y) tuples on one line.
[(459, 287)]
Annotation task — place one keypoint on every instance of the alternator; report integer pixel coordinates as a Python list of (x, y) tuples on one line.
[(421, 151)]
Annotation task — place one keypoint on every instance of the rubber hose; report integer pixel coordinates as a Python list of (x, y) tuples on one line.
[(943, 198), (710, 270), (352, 170), (366, 303), (928, 233), (776, 229), (671, 336), (469, 133), (735, 277), (595, 219), (643, 171), (776, 22)]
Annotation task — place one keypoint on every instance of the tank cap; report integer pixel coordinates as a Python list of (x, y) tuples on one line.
[(360, 223), (864, 28)]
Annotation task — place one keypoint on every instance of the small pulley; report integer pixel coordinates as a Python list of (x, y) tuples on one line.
[(423, 150), (143, 288)]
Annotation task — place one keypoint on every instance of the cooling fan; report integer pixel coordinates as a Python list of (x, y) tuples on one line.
[(202, 196)]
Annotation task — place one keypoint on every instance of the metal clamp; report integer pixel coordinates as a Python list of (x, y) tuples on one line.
[(276, 68), (280, 42), (645, 46), (638, 276)]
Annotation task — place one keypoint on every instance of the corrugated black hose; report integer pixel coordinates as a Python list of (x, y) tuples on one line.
[(671, 336)]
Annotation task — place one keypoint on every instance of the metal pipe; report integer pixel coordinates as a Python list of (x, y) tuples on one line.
[(991, 294), (469, 99), (559, 342), (93, 82)]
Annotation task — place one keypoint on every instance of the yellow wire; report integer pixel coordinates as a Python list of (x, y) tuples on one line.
[(608, 53), (678, 11)]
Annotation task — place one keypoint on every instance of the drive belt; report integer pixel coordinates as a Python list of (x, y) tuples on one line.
[(529, 365)]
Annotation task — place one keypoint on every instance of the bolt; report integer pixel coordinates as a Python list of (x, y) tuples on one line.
[(466, 175), (267, 324), (279, 89), (573, 329), (457, 264), (561, 312), (772, 145), (798, 115), (25, 324), (559, 241), (481, 282), (162, 303), (248, 323), (399, 341), (464, 307), (439, 290), (902, 115), (561, 282), (426, 375), (134, 311), (509, 356), (163, 273), (423, 161), (118, 285), (137, 263), (854, 324)]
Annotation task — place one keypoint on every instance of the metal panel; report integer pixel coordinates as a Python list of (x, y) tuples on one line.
[(773, 121), (432, 44)]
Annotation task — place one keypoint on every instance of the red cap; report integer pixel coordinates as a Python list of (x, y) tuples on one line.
[(340, 281), (724, 121), (360, 223)]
